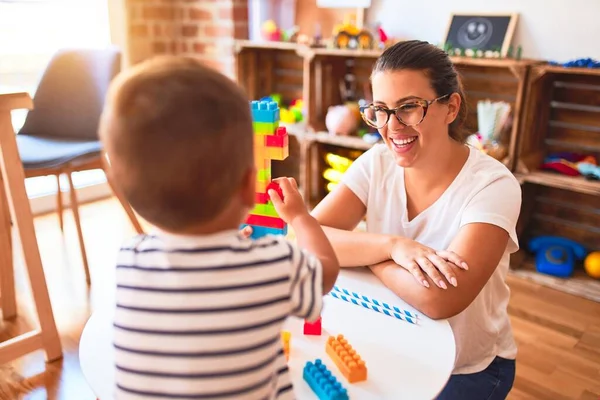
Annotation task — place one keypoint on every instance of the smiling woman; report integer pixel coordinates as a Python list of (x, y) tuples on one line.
[(37, 29), (428, 201)]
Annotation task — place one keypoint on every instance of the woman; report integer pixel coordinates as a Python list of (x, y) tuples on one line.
[(432, 205)]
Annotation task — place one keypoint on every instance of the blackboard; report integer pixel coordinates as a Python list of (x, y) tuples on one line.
[(481, 32)]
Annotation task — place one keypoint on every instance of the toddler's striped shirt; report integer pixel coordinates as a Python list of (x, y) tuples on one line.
[(200, 317)]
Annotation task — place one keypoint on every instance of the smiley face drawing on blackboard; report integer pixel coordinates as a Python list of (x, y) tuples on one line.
[(475, 33)]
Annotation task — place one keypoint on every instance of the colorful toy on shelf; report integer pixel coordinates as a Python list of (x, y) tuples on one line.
[(270, 31), (347, 35), (291, 115), (592, 264), (320, 379), (346, 359), (270, 143), (313, 328), (578, 63), (568, 163), (556, 255), (285, 343)]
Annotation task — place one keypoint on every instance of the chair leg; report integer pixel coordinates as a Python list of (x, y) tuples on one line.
[(125, 204), (8, 300), (75, 209), (59, 203)]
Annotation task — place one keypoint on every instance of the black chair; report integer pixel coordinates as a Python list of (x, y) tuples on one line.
[(60, 134)]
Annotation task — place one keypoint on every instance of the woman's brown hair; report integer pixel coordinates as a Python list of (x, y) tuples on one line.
[(423, 56)]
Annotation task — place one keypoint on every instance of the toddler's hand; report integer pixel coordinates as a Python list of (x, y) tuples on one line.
[(246, 231), (292, 205)]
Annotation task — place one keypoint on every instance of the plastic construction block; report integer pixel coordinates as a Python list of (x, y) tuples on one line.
[(269, 222), (277, 141), (313, 328), (285, 343), (261, 186), (264, 128), (346, 359), (264, 111), (262, 198), (275, 186), (268, 210), (322, 382), (264, 175), (277, 153), (261, 231)]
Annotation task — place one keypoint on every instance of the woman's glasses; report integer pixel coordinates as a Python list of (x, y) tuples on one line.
[(409, 114)]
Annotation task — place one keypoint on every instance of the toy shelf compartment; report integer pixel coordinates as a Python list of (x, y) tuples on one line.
[(266, 68), (495, 80), (553, 211), (562, 115), (318, 145)]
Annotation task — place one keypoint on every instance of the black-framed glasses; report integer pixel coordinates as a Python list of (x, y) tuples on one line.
[(411, 113)]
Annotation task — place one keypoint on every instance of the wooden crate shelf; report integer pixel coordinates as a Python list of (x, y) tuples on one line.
[(572, 183)]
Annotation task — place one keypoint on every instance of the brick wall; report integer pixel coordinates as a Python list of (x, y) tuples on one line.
[(202, 28)]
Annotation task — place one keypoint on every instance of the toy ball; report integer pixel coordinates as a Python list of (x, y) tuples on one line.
[(592, 264), (269, 26)]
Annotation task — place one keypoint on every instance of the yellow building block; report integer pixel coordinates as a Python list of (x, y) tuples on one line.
[(277, 153)]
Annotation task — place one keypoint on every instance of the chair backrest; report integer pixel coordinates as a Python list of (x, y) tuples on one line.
[(71, 93)]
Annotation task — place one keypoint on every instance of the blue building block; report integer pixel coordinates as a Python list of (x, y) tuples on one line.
[(264, 111), (322, 382), (260, 231)]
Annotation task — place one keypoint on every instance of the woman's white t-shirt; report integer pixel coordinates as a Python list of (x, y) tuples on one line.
[(484, 191)]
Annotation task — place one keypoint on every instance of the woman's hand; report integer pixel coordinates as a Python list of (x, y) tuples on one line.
[(416, 258)]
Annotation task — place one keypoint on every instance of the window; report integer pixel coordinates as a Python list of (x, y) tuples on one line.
[(31, 31)]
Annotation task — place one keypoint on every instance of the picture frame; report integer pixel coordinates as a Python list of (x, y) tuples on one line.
[(481, 31)]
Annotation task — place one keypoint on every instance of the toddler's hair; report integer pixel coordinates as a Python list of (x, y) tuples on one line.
[(179, 138)]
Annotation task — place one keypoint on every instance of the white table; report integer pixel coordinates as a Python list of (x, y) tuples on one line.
[(404, 361)]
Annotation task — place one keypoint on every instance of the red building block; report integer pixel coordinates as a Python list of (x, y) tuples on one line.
[(262, 220), (279, 139), (312, 328), (275, 187), (262, 198)]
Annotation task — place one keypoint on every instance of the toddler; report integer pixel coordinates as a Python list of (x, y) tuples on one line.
[(200, 307)]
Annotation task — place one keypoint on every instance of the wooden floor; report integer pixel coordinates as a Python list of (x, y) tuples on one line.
[(558, 334)]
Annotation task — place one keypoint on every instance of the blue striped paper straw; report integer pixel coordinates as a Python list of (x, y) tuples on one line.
[(372, 304)]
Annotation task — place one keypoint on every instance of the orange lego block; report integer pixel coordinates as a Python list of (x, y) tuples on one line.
[(285, 341), (346, 359), (277, 153)]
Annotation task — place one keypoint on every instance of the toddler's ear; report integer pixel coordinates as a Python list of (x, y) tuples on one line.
[(248, 189)]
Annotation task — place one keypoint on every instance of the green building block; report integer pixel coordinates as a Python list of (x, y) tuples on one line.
[(265, 128), (264, 175), (267, 210)]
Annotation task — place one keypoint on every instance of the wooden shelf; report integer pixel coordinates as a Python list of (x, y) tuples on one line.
[(557, 69), (494, 62), (572, 183), (580, 284), (249, 44), (316, 51), (349, 142)]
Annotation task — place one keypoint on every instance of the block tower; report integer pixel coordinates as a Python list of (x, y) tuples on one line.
[(270, 143)]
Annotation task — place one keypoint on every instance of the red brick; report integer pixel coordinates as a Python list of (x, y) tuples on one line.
[(240, 31), (158, 12), (159, 47), (199, 47), (138, 30), (240, 13), (189, 30), (218, 31), (199, 14)]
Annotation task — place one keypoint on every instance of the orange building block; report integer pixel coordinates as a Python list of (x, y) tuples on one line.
[(346, 359), (285, 341)]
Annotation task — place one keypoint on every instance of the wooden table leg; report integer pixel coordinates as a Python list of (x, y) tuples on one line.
[(14, 182), (8, 299)]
